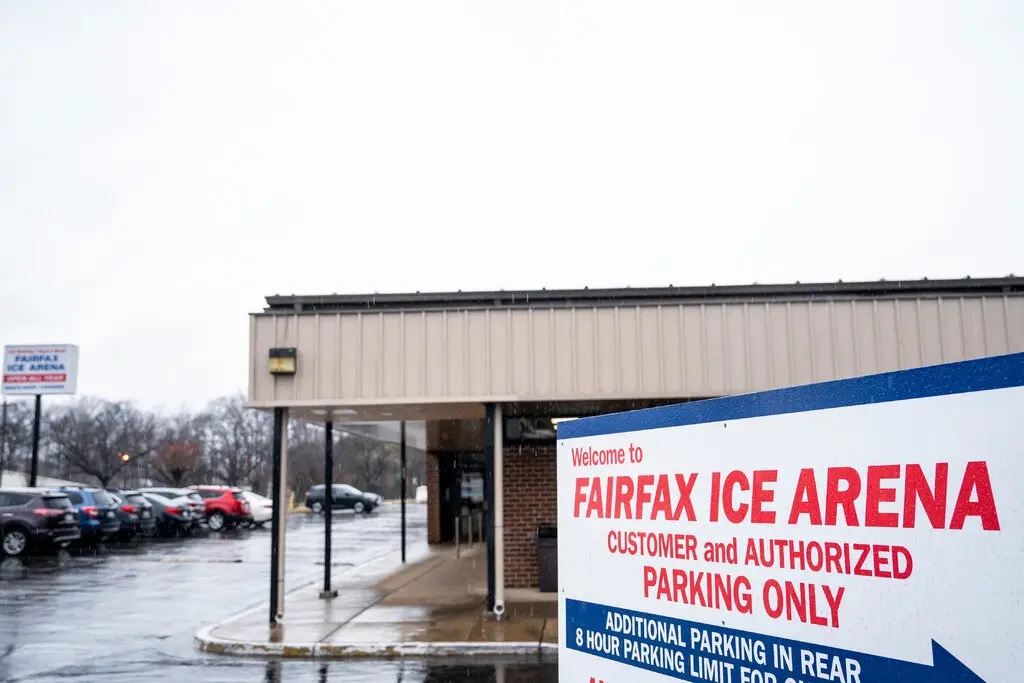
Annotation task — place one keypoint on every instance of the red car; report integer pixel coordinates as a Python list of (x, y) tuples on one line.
[(226, 507)]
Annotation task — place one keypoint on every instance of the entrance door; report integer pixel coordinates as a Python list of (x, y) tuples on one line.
[(462, 487), (451, 491)]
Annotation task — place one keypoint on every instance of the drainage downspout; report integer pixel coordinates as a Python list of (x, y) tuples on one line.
[(499, 514)]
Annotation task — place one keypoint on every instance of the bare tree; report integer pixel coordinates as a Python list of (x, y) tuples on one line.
[(368, 464), (305, 455), (16, 446), (179, 455), (94, 436), (175, 461), (237, 440)]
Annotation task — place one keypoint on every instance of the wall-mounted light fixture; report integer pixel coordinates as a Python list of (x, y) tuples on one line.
[(282, 361)]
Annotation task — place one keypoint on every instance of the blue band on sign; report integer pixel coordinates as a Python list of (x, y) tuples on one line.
[(997, 372), (689, 650)]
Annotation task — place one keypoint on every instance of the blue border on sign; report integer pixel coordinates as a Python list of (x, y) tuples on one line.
[(983, 374)]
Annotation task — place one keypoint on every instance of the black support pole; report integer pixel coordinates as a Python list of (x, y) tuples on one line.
[(402, 492), (3, 442), (35, 441), (278, 514), (329, 505), (489, 484)]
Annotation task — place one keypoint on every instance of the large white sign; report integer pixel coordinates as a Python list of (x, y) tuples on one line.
[(862, 531), (40, 369)]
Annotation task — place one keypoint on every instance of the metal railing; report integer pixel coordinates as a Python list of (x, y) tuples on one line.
[(468, 523)]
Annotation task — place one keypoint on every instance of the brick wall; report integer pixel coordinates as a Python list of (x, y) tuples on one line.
[(433, 499), (530, 499)]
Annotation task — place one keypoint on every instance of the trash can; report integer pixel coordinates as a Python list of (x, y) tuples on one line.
[(547, 558)]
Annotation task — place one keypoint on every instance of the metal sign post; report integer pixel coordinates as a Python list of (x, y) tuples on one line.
[(35, 441), (278, 454), (3, 442), (403, 489), (328, 592)]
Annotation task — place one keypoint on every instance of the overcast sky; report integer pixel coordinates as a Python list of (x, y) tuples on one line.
[(164, 165)]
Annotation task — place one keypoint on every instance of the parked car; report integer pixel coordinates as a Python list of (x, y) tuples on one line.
[(261, 508), (35, 519), (135, 513), (345, 498), (174, 516), (195, 503), (97, 512), (226, 507)]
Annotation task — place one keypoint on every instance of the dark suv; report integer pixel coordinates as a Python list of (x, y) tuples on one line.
[(35, 518), (345, 497), (135, 513)]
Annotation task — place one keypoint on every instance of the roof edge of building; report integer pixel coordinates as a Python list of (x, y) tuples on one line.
[(636, 296)]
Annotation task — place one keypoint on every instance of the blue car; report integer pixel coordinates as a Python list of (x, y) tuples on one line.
[(97, 512)]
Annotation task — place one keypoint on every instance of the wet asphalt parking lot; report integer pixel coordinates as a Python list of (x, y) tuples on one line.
[(130, 612)]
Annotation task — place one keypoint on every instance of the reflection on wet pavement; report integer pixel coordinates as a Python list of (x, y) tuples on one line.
[(512, 671), (129, 613)]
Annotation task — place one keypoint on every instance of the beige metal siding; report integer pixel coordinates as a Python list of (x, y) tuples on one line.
[(667, 351)]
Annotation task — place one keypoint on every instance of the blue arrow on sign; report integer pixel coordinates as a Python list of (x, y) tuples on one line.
[(680, 649)]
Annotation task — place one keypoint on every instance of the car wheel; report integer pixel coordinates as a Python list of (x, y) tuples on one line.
[(317, 507), (15, 542), (216, 521), (358, 507)]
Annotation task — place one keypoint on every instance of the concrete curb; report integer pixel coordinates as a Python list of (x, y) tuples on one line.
[(207, 642)]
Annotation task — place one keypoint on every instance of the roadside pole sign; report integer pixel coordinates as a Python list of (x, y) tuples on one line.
[(868, 530), (40, 369)]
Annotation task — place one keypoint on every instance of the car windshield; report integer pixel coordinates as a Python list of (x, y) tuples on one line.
[(58, 503), (351, 490), (136, 499), (194, 497)]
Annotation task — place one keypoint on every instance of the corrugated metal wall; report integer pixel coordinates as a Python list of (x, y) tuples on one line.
[(668, 351)]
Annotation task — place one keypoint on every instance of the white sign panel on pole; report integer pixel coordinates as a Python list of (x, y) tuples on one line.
[(862, 531), (40, 369)]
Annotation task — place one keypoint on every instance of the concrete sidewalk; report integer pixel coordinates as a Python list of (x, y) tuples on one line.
[(431, 606)]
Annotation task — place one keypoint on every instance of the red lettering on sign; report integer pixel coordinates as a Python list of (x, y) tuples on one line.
[(932, 500), (580, 497), (806, 499), (844, 489), (877, 494), (976, 480), (844, 497), (734, 514), (762, 496), (622, 497)]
